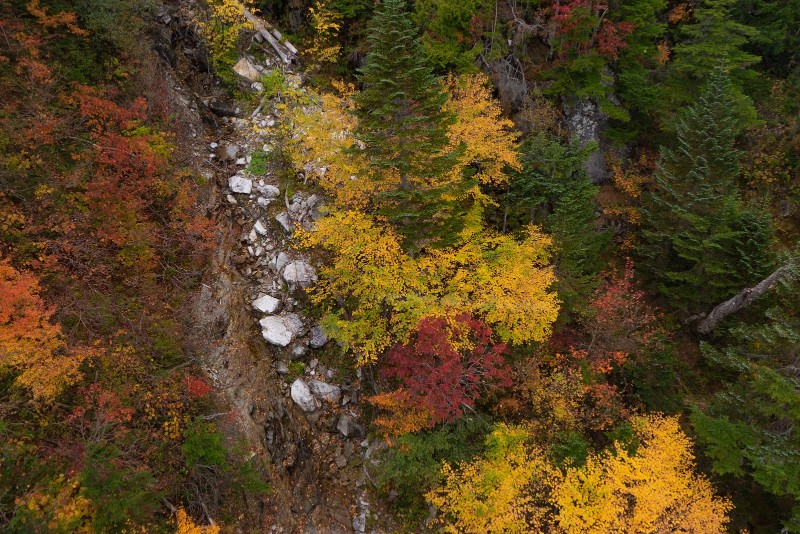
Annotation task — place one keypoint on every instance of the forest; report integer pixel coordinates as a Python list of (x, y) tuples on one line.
[(484, 266)]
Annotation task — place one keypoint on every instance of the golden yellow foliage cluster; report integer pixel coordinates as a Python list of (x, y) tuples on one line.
[(515, 488), (376, 294)]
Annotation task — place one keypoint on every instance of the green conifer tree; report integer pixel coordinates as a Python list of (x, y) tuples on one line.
[(402, 124), (712, 38), (554, 191), (749, 429), (695, 234)]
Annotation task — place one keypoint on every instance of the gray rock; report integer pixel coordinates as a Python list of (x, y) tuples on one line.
[(298, 352), (295, 323), (326, 391), (228, 152), (241, 161), (245, 68), (240, 184), (275, 330), (302, 396), (586, 122), (348, 426), (263, 202), (266, 304), (260, 228), (270, 191), (300, 273), (340, 461), (285, 221), (279, 261), (282, 368), (317, 338), (360, 523)]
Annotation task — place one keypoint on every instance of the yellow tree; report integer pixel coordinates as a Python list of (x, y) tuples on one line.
[(320, 142), (369, 285), (221, 29), (496, 493), (29, 342), (376, 294), (654, 490), (490, 144)]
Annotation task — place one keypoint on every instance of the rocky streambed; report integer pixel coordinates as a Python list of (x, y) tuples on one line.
[(291, 401)]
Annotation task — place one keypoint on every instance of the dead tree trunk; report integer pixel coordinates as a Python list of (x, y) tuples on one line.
[(282, 47), (743, 298)]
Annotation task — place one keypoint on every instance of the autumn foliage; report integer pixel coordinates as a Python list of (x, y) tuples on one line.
[(29, 342), (649, 487), (446, 365)]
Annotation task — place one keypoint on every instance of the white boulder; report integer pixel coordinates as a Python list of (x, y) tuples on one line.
[(240, 184), (300, 273), (266, 304), (275, 330), (302, 396)]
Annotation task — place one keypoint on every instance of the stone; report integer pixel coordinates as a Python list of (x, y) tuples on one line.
[(241, 161), (260, 228), (317, 338), (231, 199), (340, 461), (245, 68), (586, 122), (360, 523), (275, 330), (263, 202), (300, 273), (240, 184), (298, 352), (213, 145), (228, 152), (326, 391), (279, 261), (270, 191), (282, 368), (285, 221), (302, 396), (295, 323), (266, 304), (347, 425), (257, 86)]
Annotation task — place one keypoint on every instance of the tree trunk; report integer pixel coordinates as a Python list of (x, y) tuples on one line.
[(282, 47), (742, 299)]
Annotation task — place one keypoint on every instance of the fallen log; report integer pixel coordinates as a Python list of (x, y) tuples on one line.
[(744, 298), (285, 50)]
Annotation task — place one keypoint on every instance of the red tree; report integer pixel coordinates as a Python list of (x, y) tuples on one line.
[(447, 364)]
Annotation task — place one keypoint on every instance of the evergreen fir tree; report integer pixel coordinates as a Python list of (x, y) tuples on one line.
[(712, 39), (694, 231), (403, 126), (554, 191), (749, 429)]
